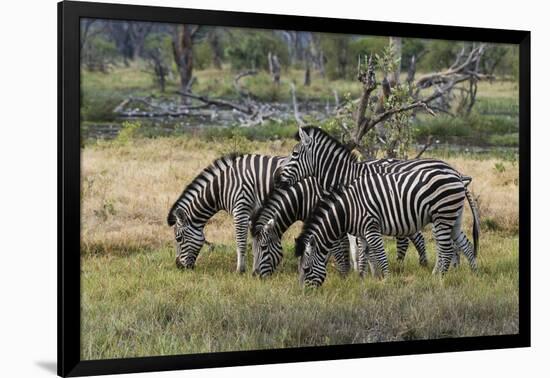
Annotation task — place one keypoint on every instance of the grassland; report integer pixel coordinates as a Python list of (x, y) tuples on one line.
[(135, 302), (494, 121)]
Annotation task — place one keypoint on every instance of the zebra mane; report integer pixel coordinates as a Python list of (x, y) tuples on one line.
[(323, 205), (317, 132), (300, 246), (215, 165), (254, 217)]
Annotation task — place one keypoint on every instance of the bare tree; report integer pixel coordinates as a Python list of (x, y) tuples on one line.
[(214, 40), (158, 67), (182, 46), (85, 31), (137, 32), (274, 67)]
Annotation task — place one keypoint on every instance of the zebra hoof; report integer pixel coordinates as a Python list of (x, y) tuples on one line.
[(241, 269)]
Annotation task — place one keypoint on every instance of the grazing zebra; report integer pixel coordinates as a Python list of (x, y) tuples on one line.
[(397, 204), (234, 183), (319, 154), (280, 210)]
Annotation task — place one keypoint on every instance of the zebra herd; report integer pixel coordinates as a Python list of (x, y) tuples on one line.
[(339, 199)]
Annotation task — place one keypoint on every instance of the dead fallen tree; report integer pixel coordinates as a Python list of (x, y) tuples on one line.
[(249, 111)]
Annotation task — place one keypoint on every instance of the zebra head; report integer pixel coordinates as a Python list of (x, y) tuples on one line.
[(312, 268), (267, 249), (299, 164), (189, 240)]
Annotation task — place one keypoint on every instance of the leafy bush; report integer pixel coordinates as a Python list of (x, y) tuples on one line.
[(98, 53), (367, 46), (410, 47), (203, 56), (441, 54), (250, 49), (127, 133), (337, 50)]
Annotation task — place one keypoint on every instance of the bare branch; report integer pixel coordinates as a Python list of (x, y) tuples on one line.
[(299, 120), (216, 102), (427, 145), (388, 113), (238, 87)]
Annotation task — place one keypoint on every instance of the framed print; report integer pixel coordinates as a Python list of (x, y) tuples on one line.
[(240, 188)]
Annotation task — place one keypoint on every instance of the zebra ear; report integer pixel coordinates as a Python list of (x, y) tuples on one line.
[(304, 138), (269, 225), (312, 243)]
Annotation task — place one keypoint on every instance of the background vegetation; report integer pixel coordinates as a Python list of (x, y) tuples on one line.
[(135, 163)]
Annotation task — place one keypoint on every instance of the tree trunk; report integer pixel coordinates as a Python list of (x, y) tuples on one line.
[(274, 67), (396, 44), (216, 50), (307, 75), (183, 54)]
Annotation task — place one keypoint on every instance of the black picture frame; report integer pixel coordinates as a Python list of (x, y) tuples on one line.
[(69, 14)]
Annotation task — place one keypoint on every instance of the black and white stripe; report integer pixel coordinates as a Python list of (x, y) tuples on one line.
[(319, 154), (237, 184), (282, 208), (398, 204)]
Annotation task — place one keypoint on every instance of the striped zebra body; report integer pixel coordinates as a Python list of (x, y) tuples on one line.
[(319, 154), (282, 208), (237, 184), (397, 204)]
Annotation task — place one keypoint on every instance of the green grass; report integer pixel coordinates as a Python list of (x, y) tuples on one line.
[(142, 305), (475, 129)]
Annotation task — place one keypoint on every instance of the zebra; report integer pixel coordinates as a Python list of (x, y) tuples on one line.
[(234, 183), (277, 213), (319, 154), (280, 210), (397, 204)]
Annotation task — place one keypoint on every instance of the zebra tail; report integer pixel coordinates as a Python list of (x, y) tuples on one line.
[(476, 223)]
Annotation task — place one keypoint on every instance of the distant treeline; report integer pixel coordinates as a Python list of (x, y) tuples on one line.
[(173, 48)]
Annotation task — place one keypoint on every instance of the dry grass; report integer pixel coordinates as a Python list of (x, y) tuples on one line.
[(127, 190), (135, 302)]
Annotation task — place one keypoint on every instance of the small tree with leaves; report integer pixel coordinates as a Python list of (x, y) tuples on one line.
[(381, 120)]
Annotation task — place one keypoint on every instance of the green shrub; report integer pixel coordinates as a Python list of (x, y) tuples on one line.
[(505, 140), (235, 144), (337, 50), (127, 133), (500, 167), (441, 54), (250, 49), (367, 46), (490, 224), (203, 55)]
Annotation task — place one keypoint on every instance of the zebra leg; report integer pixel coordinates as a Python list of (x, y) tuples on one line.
[(420, 245), (341, 253), (445, 250), (241, 235), (463, 244), (353, 251), (455, 261), (362, 257), (402, 246), (377, 255)]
